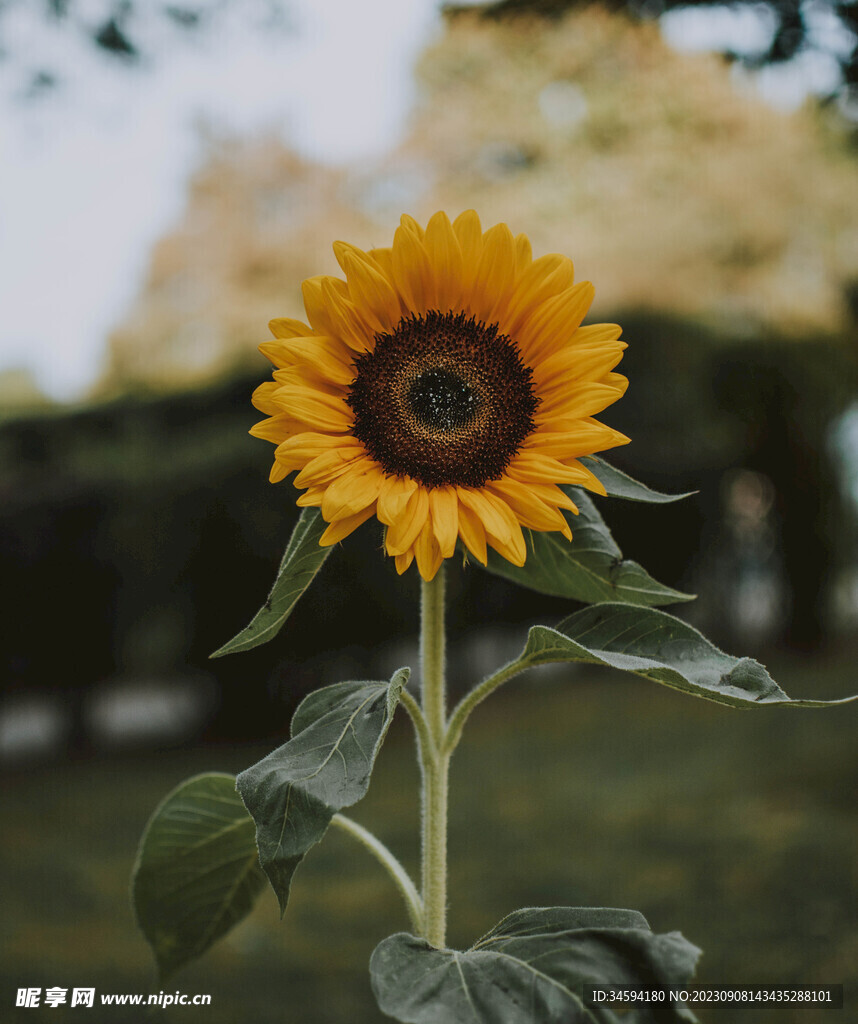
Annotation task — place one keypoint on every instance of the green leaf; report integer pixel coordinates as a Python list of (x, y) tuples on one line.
[(532, 968), (620, 485), (658, 646), (590, 568), (302, 559), (294, 792), (197, 872)]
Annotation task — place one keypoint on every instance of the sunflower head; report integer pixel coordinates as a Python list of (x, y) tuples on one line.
[(446, 387)]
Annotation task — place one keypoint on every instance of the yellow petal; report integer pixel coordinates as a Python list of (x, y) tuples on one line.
[(512, 551), (501, 525), (312, 496), (512, 545), (428, 553), (472, 532), (444, 508), (554, 322), (574, 362), (578, 401), (383, 259), (343, 249), (588, 479), (276, 428), (306, 377), (310, 443), (264, 398), (532, 467), (412, 271), (352, 492), (372, 294), (404, 531), (553, 495), (328, 356), (587, 437), (549, 494), (494, 523), (286, 327), (393, 497), (296, 451), (616, 380), (495, 274), (596, 333), (403, 561), (346, 321), (445, 258), (319, 411), (469, 234), (529, 509), (408, 222), (275, 352), (523, 254), (343, 527), (315, 305), (546, 277), (329, 465), (277, 473)]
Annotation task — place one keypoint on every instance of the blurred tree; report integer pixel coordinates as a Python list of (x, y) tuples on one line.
[(150, 511), (130, 32), (792, 24)]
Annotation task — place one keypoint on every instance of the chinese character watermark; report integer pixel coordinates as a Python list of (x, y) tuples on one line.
[(55, 996), (83, 996)]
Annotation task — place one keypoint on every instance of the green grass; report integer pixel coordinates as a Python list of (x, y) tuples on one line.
[(738, 828)]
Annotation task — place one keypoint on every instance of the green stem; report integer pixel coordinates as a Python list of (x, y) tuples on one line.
[(401, 878), (467, 704), (432, 654), (434, 761)]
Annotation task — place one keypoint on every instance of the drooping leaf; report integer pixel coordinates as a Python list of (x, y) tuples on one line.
[(532, 967), (620, 485), (197, 872), (658, 646), (588, 568), (301, 561), (294, 792)]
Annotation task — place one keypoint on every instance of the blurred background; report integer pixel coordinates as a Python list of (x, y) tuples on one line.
[(172, 171)]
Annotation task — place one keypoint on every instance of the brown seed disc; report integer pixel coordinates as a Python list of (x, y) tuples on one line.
[(443, 399)]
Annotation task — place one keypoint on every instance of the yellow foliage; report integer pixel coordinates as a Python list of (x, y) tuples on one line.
[(252, 231), (675, 190)]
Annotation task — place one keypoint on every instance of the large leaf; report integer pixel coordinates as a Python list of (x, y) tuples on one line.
[(301, 561), (531, 968), (294, 792), (620, 485), (660, 647), (197, 872), (588, 568)]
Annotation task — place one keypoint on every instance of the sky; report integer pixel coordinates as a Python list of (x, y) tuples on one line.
[(95, 170)]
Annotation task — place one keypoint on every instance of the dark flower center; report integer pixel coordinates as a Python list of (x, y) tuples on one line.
[(443, 399)]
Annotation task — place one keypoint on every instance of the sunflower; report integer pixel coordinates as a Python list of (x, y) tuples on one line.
[(445, 387)]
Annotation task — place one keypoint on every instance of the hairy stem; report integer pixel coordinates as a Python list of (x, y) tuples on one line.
[(432, 654), (434, 762), (401, 878)]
